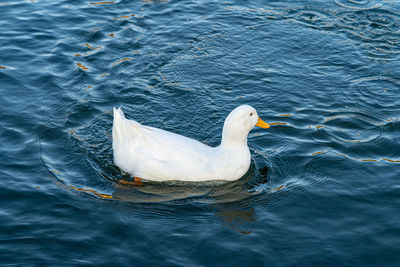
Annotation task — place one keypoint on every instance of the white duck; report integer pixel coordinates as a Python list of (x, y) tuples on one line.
[(158, 155)]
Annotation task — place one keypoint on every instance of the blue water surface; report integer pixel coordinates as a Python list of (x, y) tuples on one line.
[(323, 188)]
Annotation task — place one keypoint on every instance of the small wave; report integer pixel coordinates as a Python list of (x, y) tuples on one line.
[(353, 127), (377, 92), (359, 4), (312, 18), (377, 30), (270, 14), (103, 3)]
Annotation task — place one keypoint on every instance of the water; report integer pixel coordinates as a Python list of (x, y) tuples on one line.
[(323, 188)]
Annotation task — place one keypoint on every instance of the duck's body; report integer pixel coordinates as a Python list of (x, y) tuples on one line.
[(158, 155)]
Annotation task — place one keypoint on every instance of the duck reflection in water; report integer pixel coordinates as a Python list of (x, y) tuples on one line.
[(231, 202)]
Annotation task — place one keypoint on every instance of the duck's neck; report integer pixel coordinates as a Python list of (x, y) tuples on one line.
[(233, 138)]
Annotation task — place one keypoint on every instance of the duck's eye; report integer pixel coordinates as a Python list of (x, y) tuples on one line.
[(251, 114)]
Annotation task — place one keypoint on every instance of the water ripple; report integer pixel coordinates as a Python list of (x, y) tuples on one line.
[(377, 30), (359, 4), (375, 91), (351, 127), (317, 19)]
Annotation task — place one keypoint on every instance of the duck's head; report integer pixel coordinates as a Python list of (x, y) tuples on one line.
[(239, 123)]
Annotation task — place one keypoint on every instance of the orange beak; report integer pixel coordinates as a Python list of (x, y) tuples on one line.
[(262, 124)]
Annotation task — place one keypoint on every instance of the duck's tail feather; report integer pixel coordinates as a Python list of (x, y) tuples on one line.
[(118, 126), (124, 132)]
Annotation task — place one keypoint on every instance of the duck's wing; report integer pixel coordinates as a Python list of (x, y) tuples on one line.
[(167, 156), (136, 145)]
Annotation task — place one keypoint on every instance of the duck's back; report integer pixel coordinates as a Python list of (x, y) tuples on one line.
[(156, 154)]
